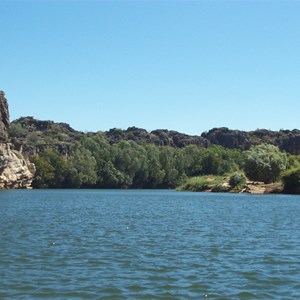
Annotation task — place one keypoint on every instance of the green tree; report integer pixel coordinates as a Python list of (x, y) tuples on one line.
[(192, 160), (265, 163), (17, 130), (109, 176), (156, 173), (83, 167), (291, 181), (44, 172), (52, 169), (237, 180), (167, 158)]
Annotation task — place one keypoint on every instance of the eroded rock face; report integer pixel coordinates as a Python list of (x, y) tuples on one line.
[(15, 169), (4, 119)]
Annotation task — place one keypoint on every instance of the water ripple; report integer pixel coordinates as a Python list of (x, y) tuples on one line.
[(148, 245)]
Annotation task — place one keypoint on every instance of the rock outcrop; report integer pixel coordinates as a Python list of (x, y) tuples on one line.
[(285, 140), (15, 169), (4, 119), (228, 138), (159, 137), (35, 135)]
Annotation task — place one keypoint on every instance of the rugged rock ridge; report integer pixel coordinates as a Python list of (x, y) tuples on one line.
[(159, 137), (285, 140), (15, 169), (35, 135)]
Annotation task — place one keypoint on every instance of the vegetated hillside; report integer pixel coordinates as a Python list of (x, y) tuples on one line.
[(35, 135), (136, 158), (285, 140)]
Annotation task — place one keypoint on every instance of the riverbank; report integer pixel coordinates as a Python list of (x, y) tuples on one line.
[(263, 188), (223, 184)]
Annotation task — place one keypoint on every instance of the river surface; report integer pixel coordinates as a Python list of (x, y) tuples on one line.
[(122, 244)]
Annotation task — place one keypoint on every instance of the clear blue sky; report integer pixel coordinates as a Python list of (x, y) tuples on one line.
[(182, 65)]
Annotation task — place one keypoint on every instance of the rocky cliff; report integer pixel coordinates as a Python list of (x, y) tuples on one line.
[(4, 119), (15, 169), (35, 135), (159, 137), (285, 140)]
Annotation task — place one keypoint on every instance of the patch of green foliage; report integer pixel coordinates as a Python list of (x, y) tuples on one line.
[(94, 163), (237, 180), (219, 189), (17, 130), (291, 181), (203, 183), (54, 170), (265, 163)]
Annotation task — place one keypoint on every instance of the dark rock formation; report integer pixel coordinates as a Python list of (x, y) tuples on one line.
[(290, 142), (34, 135), (228, 138), (176, 139), (159, 137), (32, 124), (285, 140)]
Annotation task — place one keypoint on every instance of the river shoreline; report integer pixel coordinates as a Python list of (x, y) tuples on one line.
[(249, 188)]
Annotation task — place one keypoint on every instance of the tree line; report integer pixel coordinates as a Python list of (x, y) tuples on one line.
[(94, 163)]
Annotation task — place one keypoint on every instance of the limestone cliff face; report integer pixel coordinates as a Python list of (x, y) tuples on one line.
[(15, 169)]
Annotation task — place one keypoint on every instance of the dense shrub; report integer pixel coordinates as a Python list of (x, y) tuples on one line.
[(202, 183), (291, 181), (265, 163), (237, 180)]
